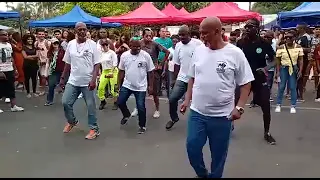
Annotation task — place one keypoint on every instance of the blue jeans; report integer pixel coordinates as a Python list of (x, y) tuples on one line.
[(53, 80), (140, 104), (292, 83), (177, 92), (218, 131), (70, 96)]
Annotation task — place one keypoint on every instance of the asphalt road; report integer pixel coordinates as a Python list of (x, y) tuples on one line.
[(33, 145)]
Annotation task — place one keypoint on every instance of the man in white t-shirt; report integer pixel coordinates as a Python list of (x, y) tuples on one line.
[(216, 68), (182, 59), (8, 72), (82, 62), (175, 39), (134, 67)]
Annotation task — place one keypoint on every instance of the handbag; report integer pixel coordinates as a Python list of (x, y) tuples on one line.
[(295, 68)]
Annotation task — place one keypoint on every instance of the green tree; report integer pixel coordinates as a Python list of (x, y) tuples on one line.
[(98, 9), (189, 6), (275, 7)]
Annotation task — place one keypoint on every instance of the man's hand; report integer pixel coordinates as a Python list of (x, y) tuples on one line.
[(263, 70), (235, 114), (150, 90), (2, 75), (184, 106), (109, 76), (62, 83), (92, 85)]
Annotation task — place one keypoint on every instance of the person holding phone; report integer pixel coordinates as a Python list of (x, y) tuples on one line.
[(82, 61), (289, 56)]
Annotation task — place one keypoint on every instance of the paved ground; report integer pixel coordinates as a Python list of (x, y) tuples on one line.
[(33, 145)]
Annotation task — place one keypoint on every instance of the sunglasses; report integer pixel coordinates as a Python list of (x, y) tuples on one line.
[(249, 26), (288, 37)]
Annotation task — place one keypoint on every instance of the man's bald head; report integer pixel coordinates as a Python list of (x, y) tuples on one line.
[(80, 24), (184, 34), (210, 29)]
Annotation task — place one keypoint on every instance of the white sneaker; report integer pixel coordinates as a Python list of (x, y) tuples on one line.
[(293, 110), (42, 93), (1, 111), (317, 100), (156, 114), (7, 100), (80, 96), (134, 112), (16, 108), (29, 96), (278, 109)]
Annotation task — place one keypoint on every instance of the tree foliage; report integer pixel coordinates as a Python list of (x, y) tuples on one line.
[(98, 9), (275, 7), (189, 6)]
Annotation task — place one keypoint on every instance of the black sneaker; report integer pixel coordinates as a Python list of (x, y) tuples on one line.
[(102, 104), (124, 120), (142, 130), (170, 124), (269, 139)]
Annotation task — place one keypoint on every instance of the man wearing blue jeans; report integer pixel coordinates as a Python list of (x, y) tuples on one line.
[(82, 61), (182, 58), (134, 67), (214, 72)]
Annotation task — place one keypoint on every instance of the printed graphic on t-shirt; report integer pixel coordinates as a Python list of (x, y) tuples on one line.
[(6, 59), (221, 67)]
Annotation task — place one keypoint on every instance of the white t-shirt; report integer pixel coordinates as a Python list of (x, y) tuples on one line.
[(108, 59), (171, 63), (82, 58), (6, 57), (216, 73), (182, 57), (136, 68)]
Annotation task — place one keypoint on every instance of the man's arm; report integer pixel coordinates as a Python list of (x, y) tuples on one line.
[(244, 94), (120, 77), (188, 96)]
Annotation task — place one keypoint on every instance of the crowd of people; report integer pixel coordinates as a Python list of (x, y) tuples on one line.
[(189, 65)]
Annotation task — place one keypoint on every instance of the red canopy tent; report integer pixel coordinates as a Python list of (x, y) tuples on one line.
[(145, 14), (222, 10), (172, 11), (184, 11), (236, 7)]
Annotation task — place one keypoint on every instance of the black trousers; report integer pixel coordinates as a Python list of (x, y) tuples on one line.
[(260, 89), (30, 69)]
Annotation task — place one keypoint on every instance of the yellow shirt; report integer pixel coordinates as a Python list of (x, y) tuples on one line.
[(295, 53)]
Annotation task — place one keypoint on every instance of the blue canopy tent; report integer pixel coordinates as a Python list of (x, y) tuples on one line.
[(308, 12), (71, 18), (9, 15), (269, 21)]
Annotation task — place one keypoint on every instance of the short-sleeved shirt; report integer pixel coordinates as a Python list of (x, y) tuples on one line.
[(216, 74), (304, 41), (136, 68), (6, 57), (314, 43), (256, 52), (153, 49), (82, 58), (108, 59), (182, 57), (170, 58), (295, 53), (165, 42)]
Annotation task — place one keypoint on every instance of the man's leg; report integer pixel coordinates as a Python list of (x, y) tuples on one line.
[(315, 74), (89, 99), (219, 131), (69, 97), (196, 139), (102, 90), (156, 87), (10, 91), (114, 91), (122, 104), (140, 97), (178, 91), (270, 82)]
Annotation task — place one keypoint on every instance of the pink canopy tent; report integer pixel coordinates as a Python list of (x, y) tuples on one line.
[(236, 7), (227, 13), (145, 14), (172, 11), (184, 11)]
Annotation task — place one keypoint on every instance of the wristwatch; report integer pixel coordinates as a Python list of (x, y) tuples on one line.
[(240, 109)]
